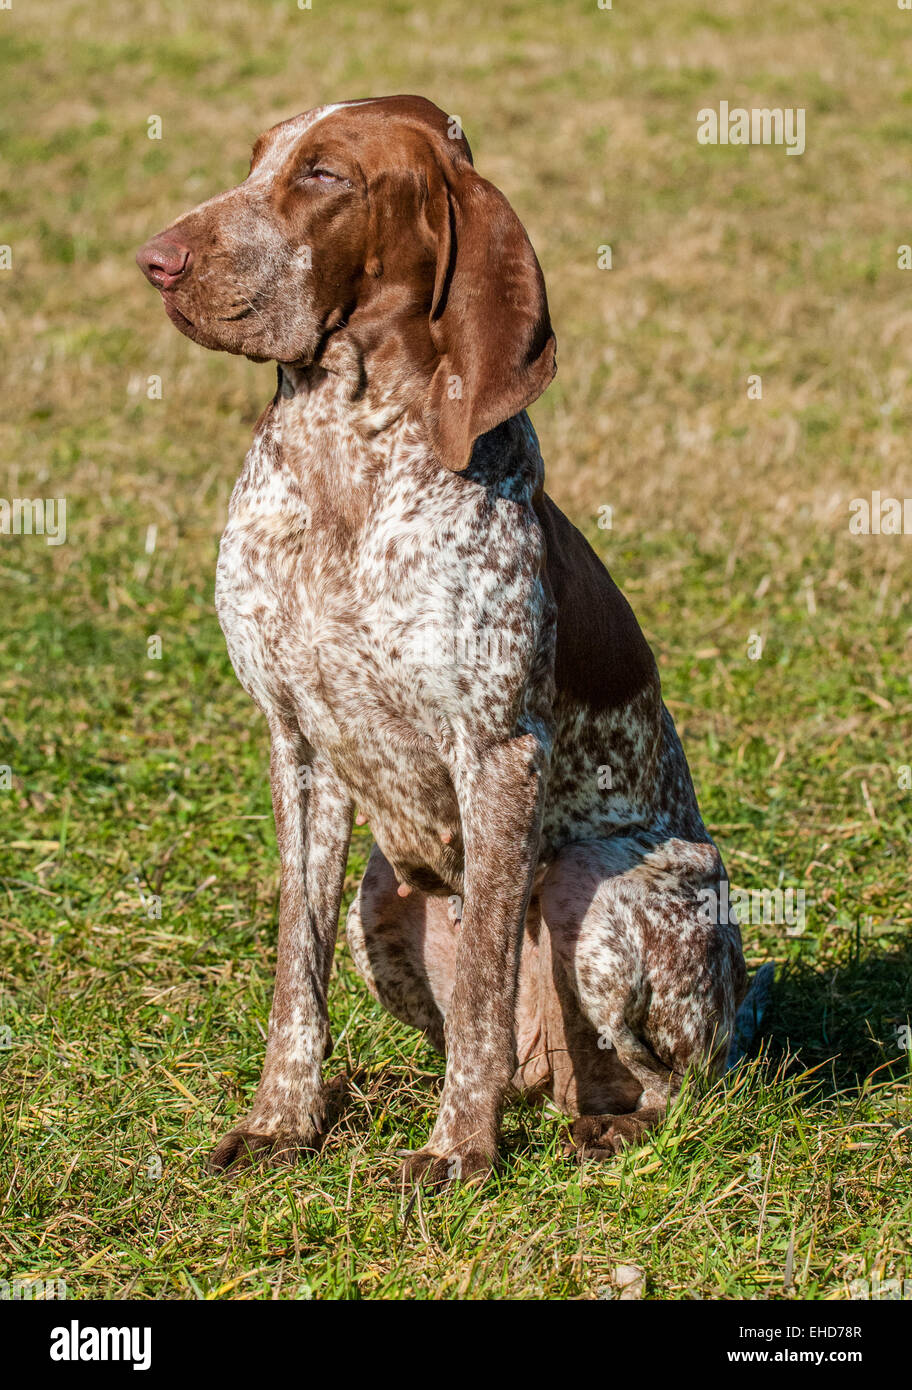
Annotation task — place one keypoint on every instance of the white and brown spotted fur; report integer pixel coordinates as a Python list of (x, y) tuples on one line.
[(432, 642)]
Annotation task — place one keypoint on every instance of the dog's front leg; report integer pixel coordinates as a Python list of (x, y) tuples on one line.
[(313, 817), (501, 797)]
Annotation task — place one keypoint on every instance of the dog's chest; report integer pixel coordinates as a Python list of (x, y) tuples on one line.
[(384, 616)]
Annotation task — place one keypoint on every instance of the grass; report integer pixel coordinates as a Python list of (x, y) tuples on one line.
[(130, 1041)]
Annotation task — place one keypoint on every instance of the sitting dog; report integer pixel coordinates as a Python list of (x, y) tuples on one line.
[(431, 641)]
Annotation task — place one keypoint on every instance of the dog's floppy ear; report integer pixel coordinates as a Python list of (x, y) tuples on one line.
[(489, 317)]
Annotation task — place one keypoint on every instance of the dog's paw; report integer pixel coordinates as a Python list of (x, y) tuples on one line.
[(435, 1170), (277, 1140), (275, 1146), (242, 1147), (605, 1136)]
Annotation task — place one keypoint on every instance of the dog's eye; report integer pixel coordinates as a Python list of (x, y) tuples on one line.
[(321, 176)]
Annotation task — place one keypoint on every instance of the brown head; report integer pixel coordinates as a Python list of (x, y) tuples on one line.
[(366, 224)]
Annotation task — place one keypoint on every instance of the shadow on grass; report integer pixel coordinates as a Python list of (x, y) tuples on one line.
[(847, 1020)]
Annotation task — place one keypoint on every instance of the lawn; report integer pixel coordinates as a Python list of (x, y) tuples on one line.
[(137, 858)]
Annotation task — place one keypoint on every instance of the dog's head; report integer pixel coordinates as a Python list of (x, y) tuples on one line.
[(367, 221)]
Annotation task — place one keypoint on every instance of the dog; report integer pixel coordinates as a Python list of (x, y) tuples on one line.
[(431, 641)]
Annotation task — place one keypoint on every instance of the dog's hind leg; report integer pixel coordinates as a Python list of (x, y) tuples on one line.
[(403, 948), (657, 975)]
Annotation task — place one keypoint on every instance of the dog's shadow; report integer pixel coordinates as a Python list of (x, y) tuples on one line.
[(849, 1022)]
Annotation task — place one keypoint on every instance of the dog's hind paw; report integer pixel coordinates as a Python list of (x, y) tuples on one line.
[(605, 1136)]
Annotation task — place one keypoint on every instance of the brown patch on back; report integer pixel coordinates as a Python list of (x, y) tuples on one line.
[(602, 659)]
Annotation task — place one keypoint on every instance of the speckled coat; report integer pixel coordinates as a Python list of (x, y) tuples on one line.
[(432, 642)]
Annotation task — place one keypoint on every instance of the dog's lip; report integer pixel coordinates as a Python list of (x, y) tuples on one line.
[(197, 333), (174, 314)]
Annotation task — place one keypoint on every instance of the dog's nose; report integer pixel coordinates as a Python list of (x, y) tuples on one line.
[(163, 262)]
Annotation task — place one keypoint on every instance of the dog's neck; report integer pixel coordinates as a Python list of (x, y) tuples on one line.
[(341, 437), (384, 366), (340, 377), (330, 445)]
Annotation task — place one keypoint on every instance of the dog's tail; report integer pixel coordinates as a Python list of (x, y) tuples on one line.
[(750, 1015)]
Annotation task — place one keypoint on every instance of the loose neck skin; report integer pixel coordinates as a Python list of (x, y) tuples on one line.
[(383, 356)]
